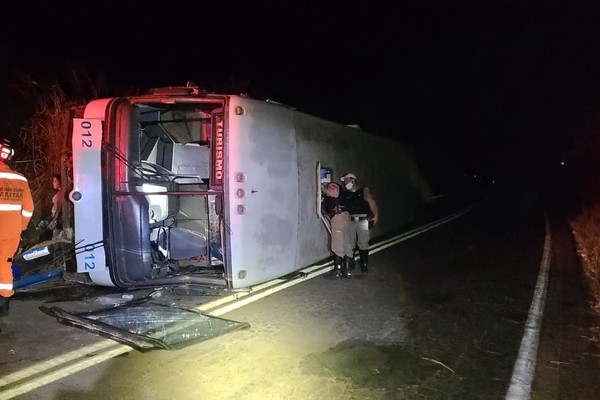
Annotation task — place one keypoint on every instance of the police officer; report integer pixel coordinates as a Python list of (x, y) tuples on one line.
[(363, 215), (16, 209), (340, 222)]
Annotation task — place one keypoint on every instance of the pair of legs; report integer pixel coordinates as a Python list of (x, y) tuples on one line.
[(340, 224), (359, 235), (8, 248)]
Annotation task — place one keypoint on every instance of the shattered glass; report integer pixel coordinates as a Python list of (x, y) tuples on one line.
[(144, 323)]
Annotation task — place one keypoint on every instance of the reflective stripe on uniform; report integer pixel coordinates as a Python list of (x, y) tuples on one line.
[(10, 207), (26, 214), (6, 286), (12, 175)]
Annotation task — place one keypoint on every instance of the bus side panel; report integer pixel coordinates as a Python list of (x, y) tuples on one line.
[(318, 141), (385, 166), (263, 208)]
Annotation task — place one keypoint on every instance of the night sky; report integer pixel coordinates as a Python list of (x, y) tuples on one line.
[(500, 90)]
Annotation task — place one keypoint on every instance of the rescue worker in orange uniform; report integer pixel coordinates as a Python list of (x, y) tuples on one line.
[(16, 209)]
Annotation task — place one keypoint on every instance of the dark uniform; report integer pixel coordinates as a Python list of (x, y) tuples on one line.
[(363, 214)]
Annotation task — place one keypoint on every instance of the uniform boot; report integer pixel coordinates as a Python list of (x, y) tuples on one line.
[(4, 306), (354, 250), (364, 261), (347, 266), (351, 264), (336, 272)]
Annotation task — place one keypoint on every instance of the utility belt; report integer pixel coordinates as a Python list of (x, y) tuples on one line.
[(361, 217)]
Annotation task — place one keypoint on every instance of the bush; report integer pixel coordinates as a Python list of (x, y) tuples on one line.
[(43, 147), (585, 226)]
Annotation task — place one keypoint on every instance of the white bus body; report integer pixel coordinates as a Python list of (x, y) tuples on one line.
[(179, 186)]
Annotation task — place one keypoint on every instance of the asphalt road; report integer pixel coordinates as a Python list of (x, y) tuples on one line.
[(441, 315)]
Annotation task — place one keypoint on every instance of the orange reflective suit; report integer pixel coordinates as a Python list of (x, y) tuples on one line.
[(16, 209)]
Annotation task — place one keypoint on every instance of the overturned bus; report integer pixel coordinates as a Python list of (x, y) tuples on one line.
[(182, 186)]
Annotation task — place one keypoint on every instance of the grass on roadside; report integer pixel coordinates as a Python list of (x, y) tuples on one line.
[(585, 226)]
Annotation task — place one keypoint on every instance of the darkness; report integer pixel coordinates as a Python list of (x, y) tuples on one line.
[(506, 91)]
